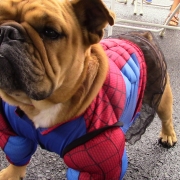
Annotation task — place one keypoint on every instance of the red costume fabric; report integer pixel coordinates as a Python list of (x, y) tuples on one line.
[(103, 157)]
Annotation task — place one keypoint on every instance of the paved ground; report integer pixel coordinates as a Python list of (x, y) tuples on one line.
[(147, 160)]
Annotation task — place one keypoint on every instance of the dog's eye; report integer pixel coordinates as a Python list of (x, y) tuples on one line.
[(50, 33)]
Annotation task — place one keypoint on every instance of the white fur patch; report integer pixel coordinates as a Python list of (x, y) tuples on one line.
[(46, 117)]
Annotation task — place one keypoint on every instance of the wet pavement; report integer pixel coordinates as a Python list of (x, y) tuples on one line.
[(147, 159)]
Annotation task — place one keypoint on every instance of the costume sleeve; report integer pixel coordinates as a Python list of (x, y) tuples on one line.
[(93, 160), (17, 149)]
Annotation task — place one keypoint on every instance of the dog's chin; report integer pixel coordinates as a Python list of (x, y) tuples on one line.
[(26, 97), (34, 83), (38, 96)]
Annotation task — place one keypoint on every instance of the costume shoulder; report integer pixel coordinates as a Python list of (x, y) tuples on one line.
[(5, 128)]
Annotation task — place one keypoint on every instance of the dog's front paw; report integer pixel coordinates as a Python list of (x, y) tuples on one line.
[(168, 140), (13, 173)]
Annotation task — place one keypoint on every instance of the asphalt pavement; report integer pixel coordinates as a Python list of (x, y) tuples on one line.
[(147, 159)]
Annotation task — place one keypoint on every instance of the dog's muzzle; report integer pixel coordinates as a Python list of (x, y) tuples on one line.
[(18, 72)]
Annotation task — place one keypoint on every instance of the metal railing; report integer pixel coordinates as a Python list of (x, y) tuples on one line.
[(131, 24)]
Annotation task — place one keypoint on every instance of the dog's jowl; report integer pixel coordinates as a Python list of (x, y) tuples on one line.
[(66, 89)]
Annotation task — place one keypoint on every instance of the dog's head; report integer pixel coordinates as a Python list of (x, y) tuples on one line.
[(44, 46)]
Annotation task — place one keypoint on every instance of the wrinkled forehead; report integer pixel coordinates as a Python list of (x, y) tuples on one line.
[(35, 12)]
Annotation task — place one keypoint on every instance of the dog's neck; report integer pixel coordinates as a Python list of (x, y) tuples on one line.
[(55, 113)]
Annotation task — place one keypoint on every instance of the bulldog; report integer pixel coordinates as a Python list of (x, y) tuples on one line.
[(70, 92)]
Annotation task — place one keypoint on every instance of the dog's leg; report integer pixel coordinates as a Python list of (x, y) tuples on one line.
[(167, 135), (13, 173)]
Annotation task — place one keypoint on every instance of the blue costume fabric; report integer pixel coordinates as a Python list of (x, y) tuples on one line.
[(104, 156)]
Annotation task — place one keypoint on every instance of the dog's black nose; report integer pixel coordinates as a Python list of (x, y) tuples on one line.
[(9, 33)]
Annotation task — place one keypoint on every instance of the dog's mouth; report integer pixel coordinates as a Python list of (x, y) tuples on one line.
[(20, 70)]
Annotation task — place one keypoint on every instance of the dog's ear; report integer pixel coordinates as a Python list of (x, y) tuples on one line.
[(93, 16)]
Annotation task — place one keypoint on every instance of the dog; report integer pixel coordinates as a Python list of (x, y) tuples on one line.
[(74, 94)]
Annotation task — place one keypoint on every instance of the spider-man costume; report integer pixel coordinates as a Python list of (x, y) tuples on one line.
[(103, 157)]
